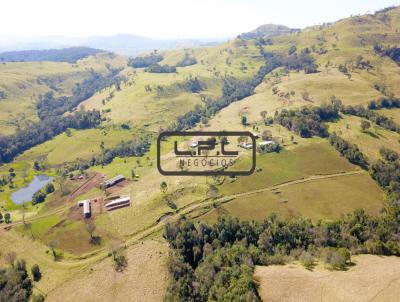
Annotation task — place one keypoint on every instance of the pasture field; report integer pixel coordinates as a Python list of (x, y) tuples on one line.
[(372, 278), (145, 278), (312, 159), (370, 141), (79, 144), (321, 86), (325, 198)]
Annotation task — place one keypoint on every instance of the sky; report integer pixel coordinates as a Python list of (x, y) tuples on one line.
[(167, 19)]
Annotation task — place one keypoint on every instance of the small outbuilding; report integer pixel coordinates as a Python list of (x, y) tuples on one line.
[(113, 181), (87, 210)]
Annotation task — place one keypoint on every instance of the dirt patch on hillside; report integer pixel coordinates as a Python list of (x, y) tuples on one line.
[(373, 278), (92, 182), (144, 280)]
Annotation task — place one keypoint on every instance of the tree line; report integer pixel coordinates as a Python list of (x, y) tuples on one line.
[(216, 262), (190, 84), (136, 147), (350, 151), (39, 132), (157, 68), (371, 115), (48, 105)]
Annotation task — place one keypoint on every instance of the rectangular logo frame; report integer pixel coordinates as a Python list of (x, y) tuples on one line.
[(206, 133)]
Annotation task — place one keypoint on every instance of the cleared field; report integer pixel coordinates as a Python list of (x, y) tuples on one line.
[(370, 141), (373, 278), (317, 157), (330, 81), (70, 236), (145, 279), (80, 144), (325, 198)]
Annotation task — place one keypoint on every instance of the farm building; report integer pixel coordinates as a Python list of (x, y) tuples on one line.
[(111, 182), (265, 143), (123, 201), (246, 145), (87, 211)]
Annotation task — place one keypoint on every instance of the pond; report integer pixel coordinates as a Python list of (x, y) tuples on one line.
[(25, 194)]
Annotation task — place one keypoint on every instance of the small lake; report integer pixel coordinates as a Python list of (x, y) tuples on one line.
[(25, 194)]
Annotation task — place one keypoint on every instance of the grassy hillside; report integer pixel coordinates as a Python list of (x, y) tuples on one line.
[(23, 82), (372, 277)]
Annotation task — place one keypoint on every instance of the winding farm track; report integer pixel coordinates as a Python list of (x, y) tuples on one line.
[(158, 226)]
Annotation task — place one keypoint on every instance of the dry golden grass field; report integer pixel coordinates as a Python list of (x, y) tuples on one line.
[(144, 280), (373, 278)]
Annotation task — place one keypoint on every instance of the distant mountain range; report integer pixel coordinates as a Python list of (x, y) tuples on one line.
[(125, 44)]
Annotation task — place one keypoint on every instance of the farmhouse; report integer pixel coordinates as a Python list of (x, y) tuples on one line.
[(87, 211), (111, 182), (123, 201)]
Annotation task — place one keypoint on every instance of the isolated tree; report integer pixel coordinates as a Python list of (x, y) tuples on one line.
[(307, 260), (120, 262), (10, 258), (244, 120), (49, 188), (52, 245), (38, 197), (365, 125), (164, 187), (36, 273), (7, 217), (266, 135), (263, 114), (90, 228)]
